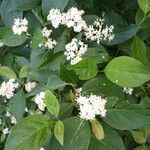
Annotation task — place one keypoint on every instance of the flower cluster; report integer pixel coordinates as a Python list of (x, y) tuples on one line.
[(99, 32), (13, 119), (48, 42), (29, 86), (72, 18), (128, 90), (55, 17), (75, 50), (1, 43), (39, 100), (6, 131), (90, 106), (7, 88), (20, 26)]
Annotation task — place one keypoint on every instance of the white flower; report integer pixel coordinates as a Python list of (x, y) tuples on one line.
[(39, 100), (1, 43), (20, 26), (81, 24), (73, 18), (78, 92), (6, 131), (90, 106), (29, 86), (8, 114), (7, 88), (0, 121), (26, 109), (46, 33), (75, 50), (13, 120), (99, 32), (42, 148), (48, 42), (128, 90), (55, 17)]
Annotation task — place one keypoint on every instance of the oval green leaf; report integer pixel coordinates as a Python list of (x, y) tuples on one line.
[(18, 104), (59, 132), (138, 49), (10, 39), (86, 69), (23, 72), (129, 117), (52, 103), (8, 13), (144, 5), (127, 72), (30, 133), (7, 72)]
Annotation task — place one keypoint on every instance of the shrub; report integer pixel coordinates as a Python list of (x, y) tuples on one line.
[(75, 74)]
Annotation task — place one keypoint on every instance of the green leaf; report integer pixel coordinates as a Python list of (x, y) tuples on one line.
[(139, 137), (50, 4), (10, 39), (112, 140), (66, 110), (52, 103), (61, 41), (24, 53), (38, 13), (141, 20), (59, 132), (122, 33), (77, 135), (18, 104), (30, 133), (23, 72), (129, 117), (97, 129), (138, 49), (99, 54), (7, 17), (90, 18), (127, 72), (40, 87), (37, 39), (86, 69), (100, 85), (54, 82), (68, 76), (113, 18), (34, 23), (25, 5), (7, 72), (144, 5), (54, 61)]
